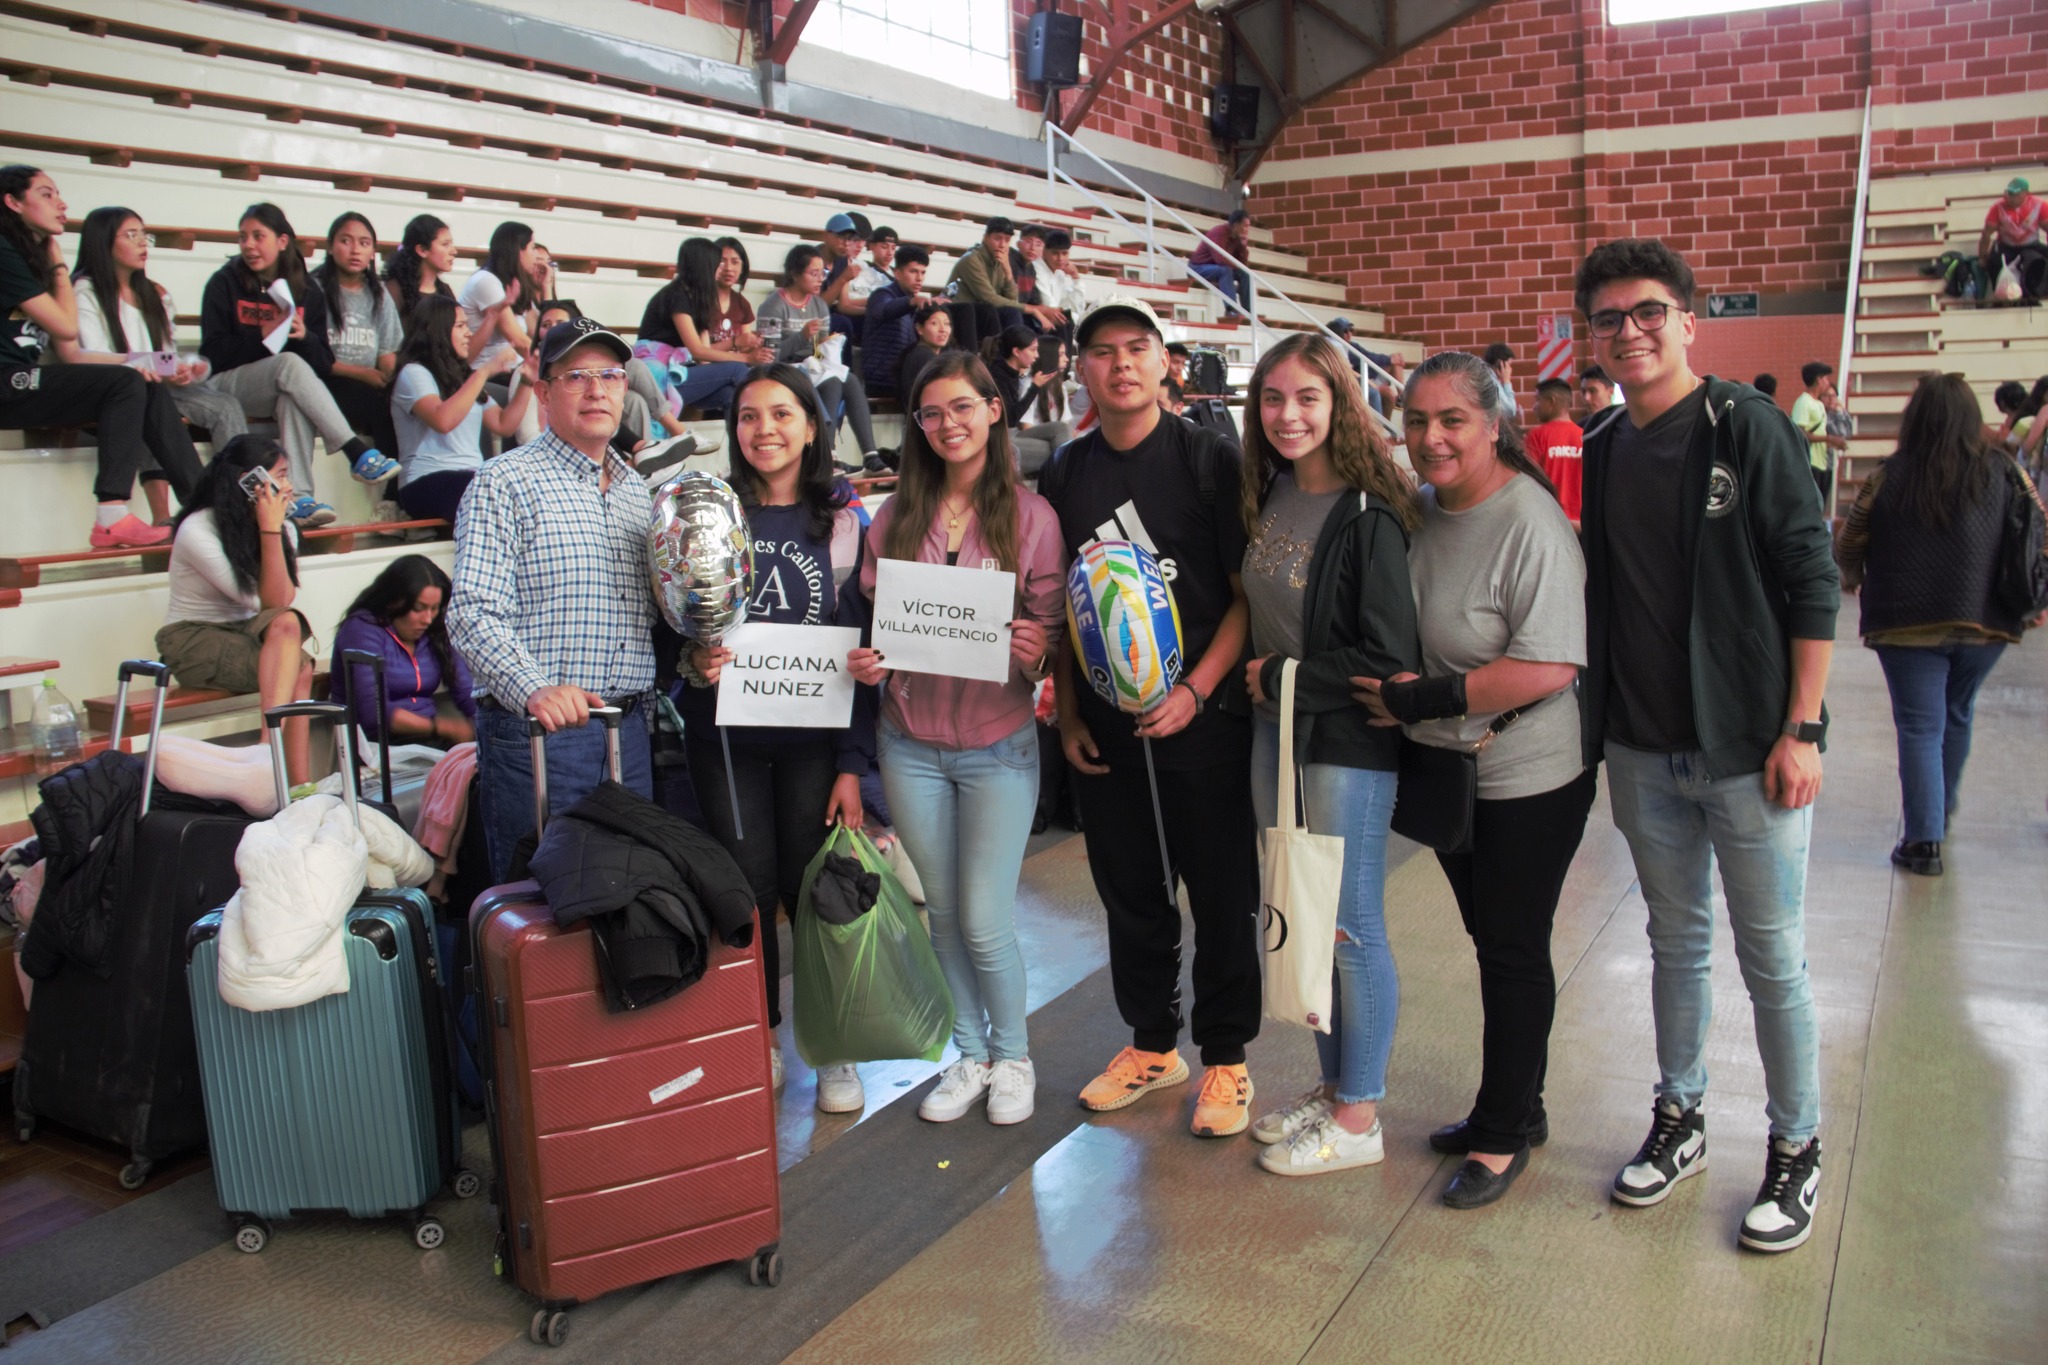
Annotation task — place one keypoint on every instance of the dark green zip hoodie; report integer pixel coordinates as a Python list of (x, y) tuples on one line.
[(1762, 573), (1358, 618)]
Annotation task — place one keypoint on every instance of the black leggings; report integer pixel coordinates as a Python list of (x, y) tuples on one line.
[(783, 790), (368, 410), (435, 495), (136, 419), (1507, 889)]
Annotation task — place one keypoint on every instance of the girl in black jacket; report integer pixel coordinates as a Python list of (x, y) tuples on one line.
[(1326, 576), (235, 315), (1923, 543)]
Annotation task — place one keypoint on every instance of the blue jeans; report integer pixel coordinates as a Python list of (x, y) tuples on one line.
[(1231, 280), (1679, 822), (1356, 804), (964, 816), (710, 386), (1934, 690), (576, 764)]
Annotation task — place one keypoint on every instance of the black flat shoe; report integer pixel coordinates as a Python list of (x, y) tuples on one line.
[(1455, 1139), (1473, 1185), (1923, 857)]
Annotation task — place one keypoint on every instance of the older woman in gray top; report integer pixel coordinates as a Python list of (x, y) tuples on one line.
[(796, 321), (1500, 599)]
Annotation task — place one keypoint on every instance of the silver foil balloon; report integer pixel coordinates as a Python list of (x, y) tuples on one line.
[(700, 555)]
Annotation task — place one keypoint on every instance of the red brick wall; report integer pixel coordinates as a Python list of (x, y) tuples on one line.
[(1463, 255), (1159, 96), (1744, 348)]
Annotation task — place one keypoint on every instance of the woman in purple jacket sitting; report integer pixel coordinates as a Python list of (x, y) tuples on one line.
[(400, 616)]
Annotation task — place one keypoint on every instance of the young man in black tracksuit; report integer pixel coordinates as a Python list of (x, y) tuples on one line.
[(1146, 476), (1711, 597)]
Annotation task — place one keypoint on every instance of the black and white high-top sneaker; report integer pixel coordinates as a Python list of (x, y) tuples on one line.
[(1675, 1149), (1782, 1216)]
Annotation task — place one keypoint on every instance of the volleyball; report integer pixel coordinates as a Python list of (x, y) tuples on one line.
[(1125, 626)]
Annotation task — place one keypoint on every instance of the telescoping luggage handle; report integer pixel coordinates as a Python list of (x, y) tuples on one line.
[(273, 728), (149, 668), (373, 661), (536, 734)]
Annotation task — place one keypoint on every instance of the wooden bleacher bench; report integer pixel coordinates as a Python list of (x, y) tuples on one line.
[(26, 571), (99, 711)]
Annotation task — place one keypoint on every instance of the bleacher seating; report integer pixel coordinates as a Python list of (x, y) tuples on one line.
[(1906, 325), (187, 112)]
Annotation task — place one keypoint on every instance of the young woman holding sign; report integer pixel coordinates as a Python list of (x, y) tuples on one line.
[(959, 757), (1326, 576), (792, 784)]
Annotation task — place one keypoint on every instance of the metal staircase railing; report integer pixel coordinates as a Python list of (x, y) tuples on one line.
[(1154, 208)]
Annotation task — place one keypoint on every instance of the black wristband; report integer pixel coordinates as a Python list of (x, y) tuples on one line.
[(1420, 699)]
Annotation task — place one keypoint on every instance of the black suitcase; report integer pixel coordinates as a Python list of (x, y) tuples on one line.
[(115, 1059), (342, 688)]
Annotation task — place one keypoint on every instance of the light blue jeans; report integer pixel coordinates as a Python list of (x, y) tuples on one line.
[(964, 816), (1356, 804), (1679, 822)]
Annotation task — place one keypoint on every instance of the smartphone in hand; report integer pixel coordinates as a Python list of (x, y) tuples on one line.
[(256, 482)]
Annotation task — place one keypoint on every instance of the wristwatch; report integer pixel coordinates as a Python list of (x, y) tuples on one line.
[(1806, 731), (1195, 692)]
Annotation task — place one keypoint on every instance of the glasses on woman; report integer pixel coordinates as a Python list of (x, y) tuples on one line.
[(961, 410), (1649, 317), (581, 381)]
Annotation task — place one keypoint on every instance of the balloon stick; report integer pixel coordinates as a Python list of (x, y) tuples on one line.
[(1159, 823), (732, 788)]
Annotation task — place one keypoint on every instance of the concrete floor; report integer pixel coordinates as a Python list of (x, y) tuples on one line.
[(1129, 1240)]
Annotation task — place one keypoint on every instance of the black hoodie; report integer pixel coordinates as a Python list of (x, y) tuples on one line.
[(235, 312)]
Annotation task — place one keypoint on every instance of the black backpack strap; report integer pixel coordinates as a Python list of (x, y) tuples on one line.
[(1206, 458)]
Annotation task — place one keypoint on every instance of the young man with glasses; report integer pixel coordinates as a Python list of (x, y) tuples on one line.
[(551, 607), (1143, 476), (1708, 653)]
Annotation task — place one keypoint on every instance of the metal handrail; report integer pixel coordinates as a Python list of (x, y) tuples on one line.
[(1053, 175)]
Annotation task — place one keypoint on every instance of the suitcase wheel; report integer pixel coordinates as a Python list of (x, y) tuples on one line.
[(466, 1184), (765, 1268), (134, 1173), (428, 1233), (251, 1235), (24, 1130), (548, 1328)]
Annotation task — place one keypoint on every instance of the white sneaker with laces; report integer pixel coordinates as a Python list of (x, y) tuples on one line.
[(839, 1090), (1324, 1145), (960, 1085), (1282, 1124), (1012, 1090)]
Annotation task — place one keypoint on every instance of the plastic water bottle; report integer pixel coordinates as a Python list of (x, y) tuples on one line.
[(54, 729)]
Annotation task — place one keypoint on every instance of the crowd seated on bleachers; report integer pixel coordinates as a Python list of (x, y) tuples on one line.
[(984, 291), (400, 617), (283, 379), (889, 320), (1019, 373), (796, 320), (680, 333), (138, 425), (501, 303)]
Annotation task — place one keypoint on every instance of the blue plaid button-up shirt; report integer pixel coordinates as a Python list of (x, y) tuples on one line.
[(551, 581)]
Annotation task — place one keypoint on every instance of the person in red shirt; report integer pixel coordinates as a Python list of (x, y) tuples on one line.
[(1234, 235), (2013, 229), (1554, 443)]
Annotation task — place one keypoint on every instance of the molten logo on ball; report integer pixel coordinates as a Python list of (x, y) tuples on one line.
[(1125, 625)]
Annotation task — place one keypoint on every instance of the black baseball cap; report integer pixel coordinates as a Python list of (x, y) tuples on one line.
[(565, 337)]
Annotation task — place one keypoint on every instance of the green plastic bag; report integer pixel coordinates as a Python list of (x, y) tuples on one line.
[(871, 990)]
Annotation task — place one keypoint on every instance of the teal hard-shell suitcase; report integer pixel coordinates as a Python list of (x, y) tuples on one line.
[(343, 1104)]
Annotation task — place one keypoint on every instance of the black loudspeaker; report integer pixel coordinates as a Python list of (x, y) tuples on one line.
[(1053, 50), (1234, 112)]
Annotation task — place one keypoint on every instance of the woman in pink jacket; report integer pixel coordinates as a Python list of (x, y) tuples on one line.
[(959, 758)]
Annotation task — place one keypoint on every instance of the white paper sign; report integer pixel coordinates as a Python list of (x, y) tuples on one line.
[(934, 618), (281, 295), (787, 675)]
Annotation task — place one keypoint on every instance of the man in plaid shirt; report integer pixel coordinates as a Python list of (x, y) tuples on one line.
[(552, 607)]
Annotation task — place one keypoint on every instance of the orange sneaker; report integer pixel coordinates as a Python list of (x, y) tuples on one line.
[(1225, 1105), (1131, 1075)]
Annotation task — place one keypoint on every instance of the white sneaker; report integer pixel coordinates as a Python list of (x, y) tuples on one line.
[(839, 1090), (1012, 1088), (1283, 1124), (776, 1076), (960, 1085), (1324, 1145)]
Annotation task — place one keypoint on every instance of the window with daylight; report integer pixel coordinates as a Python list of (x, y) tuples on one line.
[(1649, 11), (962, 42)]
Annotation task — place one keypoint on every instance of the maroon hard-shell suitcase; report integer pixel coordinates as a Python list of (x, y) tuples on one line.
[(628, 1147)]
